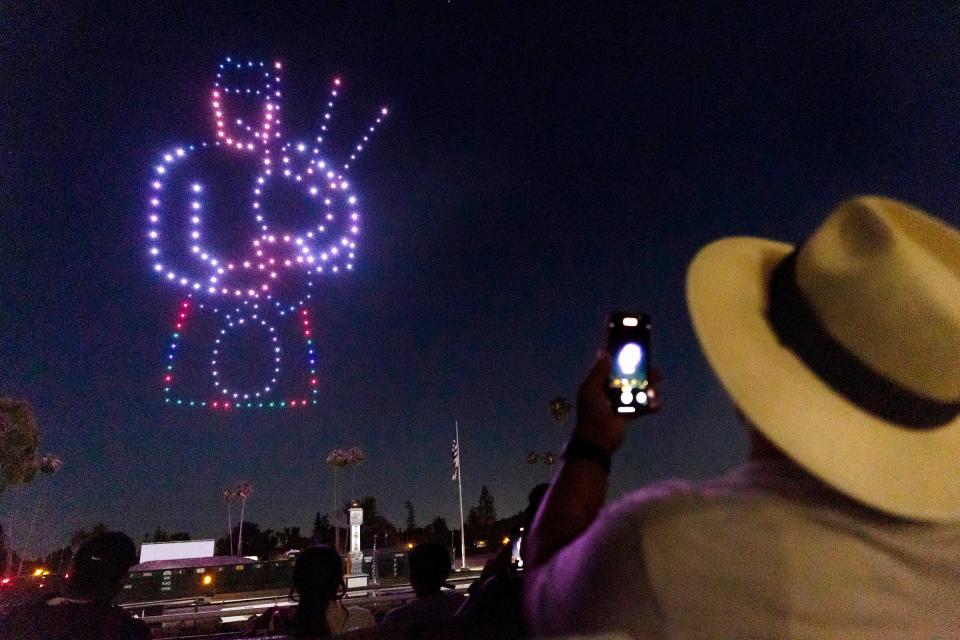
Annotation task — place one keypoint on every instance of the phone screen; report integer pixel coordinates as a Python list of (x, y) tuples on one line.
[(628, 342)]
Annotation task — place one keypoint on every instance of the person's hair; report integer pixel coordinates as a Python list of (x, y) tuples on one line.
[(100, 565), (429, 567), (317, 581), (533, 504)]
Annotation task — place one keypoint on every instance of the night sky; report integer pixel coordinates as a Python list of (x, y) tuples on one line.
[(543, 164)]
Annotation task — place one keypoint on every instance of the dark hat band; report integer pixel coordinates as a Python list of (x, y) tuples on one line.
[(796, 325)]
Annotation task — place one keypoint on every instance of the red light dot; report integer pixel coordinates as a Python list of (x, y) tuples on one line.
[(314, 381)]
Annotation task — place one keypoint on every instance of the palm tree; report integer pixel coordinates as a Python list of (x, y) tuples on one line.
[(337, 459), (229, 495), (355, 458), (244, 490), (559, 410)]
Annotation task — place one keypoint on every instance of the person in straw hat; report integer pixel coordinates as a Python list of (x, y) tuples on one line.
[(842, 357)]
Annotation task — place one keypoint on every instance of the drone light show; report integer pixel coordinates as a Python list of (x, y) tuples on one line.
[(289, 215)]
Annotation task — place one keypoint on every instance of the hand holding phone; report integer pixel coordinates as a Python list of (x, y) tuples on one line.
[(604, 392), (628, 384)]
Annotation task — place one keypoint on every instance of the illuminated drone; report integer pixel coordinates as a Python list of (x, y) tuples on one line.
[(270, 275)]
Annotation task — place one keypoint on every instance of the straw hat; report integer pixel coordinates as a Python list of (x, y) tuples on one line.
[(845, 351)]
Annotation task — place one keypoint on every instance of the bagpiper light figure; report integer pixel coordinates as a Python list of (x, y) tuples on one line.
[(269, 277)]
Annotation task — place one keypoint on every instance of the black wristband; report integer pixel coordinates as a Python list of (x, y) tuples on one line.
[(585, 450)]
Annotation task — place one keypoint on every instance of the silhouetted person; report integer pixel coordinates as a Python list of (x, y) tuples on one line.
[(317, 587), (494, 608), (506, 560), (429, 570), (84, 610), (842, 358)]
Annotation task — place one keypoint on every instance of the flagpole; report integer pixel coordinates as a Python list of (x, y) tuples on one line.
[(463, 537)]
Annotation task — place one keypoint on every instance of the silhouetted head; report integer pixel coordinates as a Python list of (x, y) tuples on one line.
[(101, 565), (318, 574), (429, 568), (533, 504)]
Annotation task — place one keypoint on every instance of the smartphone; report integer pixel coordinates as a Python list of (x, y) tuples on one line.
[(628, 342)]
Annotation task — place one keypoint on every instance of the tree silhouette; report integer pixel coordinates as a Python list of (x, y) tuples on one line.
[(19, 439), (321, 529), (411, 516), (244, 491), (229, 495)]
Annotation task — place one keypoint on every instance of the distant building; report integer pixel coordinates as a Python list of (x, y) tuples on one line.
[(150, 551)]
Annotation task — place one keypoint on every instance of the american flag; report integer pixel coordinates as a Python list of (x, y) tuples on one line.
[(455, 452)]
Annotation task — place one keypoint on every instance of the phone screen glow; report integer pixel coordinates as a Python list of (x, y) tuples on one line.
[(627, 344)]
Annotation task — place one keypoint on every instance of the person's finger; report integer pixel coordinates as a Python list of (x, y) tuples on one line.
[(599, 373)]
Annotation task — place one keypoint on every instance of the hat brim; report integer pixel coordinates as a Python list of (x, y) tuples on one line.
[(906, 472)]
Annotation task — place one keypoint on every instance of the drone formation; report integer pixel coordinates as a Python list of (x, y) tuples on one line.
[(268, 281)]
